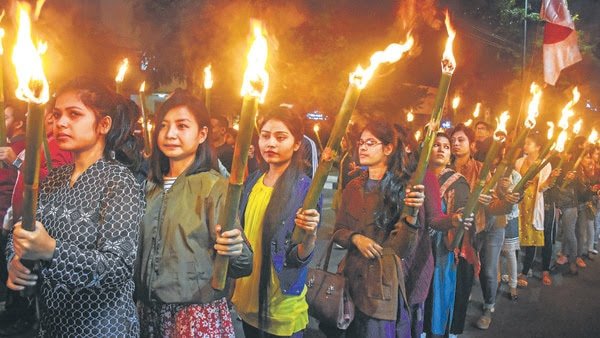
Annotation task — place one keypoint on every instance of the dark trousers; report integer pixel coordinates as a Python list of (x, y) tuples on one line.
[(16, 306), (464, 284), (3, 263), (547, 249), (549, 234), (252, 332)]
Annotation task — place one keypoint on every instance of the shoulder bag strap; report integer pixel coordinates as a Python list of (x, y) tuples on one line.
[(324, 260)]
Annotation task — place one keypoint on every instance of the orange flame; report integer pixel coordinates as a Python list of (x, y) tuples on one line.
[(448, 60), (122, 69), (455, 102), (534, 106), (567, 111), (143, 87), (256, 78), (417, 135), (477, 110), (577, 126), (550, 130), (468, 123), (410, 116), (42, 47), (593, 137), (560, 142), (32, 83), (1, 34), (500, 132), (392, 53), (208, 79), (316, 128), (38, 8)]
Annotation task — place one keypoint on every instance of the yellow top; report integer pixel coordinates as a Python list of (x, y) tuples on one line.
[(286, 314), (528, 234)]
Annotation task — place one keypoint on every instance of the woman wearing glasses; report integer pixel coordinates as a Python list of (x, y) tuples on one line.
[(368, 224)]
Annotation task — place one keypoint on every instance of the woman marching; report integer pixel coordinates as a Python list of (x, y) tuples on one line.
[(587, 190), (368, 224), (88, 217), (271, 301), (180, 235), (531, 208), (454, 192)]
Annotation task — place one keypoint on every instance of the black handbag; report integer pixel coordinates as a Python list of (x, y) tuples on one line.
[(327, 297)]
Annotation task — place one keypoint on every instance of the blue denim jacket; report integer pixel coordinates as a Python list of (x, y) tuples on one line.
[(290, 269)]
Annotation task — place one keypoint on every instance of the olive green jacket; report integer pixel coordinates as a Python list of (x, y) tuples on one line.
[(178, 234)]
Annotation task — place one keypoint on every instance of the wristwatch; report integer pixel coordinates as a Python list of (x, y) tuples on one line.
[(18, 163)]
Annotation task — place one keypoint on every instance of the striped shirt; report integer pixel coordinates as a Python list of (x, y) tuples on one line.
[(168, 182)]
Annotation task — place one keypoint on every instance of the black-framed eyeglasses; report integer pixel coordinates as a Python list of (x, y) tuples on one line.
[(369, 143)]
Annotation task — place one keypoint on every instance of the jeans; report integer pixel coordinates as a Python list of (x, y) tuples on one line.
[(489, 246), (509, 251), (568, 222), (585, 230), (597, 220), (511, 267)]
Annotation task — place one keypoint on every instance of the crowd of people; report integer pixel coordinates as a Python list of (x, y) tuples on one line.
[(126, 241)]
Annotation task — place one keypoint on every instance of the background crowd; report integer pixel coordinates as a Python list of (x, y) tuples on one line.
[(125, 241)]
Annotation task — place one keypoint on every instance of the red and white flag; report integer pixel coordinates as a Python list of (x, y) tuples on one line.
[(560, 39)]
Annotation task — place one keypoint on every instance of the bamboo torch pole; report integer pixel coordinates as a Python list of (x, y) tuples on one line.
[(508, 161), (448, 67), (32, 88), (145, 119), (316, 130), (539, 163), (591, 141), (472, 202), (254, 89), (358, 80)]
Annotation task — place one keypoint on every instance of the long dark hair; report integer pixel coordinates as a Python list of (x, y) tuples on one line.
[(121, 144), (279, 207), (395, 180), (205, 159)]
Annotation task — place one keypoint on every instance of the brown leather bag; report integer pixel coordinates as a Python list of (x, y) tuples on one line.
[(327, 297)]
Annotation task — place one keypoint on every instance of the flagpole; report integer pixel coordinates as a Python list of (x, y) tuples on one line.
[(524, 43), (523, 67)]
